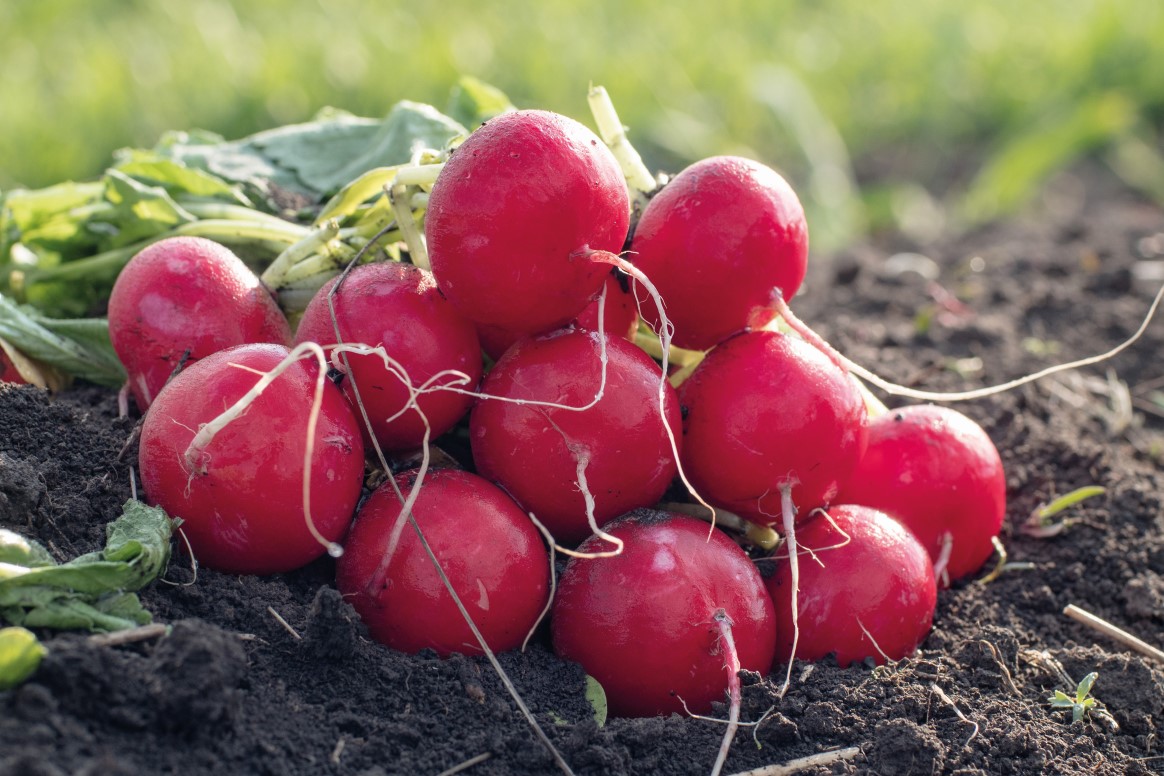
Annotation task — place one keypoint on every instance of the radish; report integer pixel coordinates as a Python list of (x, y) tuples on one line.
[(181, 299), (399, 307), (936, 471), (768, 413), (620, 318), (242, 494), (649, 624), (489, 549), (869, 594), (515, 217), (593, 445), (719, 241)]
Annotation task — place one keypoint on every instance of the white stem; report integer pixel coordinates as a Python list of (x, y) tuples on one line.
[(413, 238), (613, 133)]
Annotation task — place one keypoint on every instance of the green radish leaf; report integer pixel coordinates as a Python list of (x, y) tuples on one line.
[(20, 656), (473, 102), (318, 157), (177, 179), (94, 591), (597, 697)]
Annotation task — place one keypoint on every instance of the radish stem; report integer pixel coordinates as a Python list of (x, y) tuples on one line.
[(613, 133)]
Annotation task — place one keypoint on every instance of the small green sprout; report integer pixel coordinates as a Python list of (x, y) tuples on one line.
[(1041, 526), (1082, 703)]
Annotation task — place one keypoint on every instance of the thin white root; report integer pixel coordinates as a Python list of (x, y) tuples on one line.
[(980, 393), (505, 680), (549, 537), (195, 456), (950, 702), (583, 458), (941, 565), (732, 664), (788, 509), (822, 760), (812, 552), (666, 331), (873, 641)]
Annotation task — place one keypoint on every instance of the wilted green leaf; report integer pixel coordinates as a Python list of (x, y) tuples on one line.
[(94, 591), (80, 346)]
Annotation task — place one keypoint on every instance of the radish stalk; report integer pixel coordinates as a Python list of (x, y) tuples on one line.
[(613, 133), (413, 238)]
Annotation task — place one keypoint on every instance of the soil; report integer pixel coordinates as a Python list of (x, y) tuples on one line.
[(231, 689)]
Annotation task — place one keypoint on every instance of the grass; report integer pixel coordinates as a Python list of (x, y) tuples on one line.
[(976, 101)]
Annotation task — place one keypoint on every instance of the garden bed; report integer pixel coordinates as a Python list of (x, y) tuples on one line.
[(276, 675)]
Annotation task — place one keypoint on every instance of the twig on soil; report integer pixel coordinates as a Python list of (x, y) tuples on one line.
[(1113, 631), (338, 751), (130, 636), (467, 764), (1006, 676), (812, 761), (950, 701), (279, 618)]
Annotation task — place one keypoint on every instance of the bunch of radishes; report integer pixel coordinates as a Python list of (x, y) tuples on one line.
[(575, 431)]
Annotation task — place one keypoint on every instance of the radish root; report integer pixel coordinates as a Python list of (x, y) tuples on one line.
[(732, 664), (788, 510), (980, 393)]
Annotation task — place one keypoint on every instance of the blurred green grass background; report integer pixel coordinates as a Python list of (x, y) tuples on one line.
[(878, 112)]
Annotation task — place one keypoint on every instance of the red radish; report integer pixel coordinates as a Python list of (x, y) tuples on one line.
[(489, 549), (515, 216), (937, 472), (399, 307), (765, 411), (181, 299), (550, 458), (870, 593), (620, 318), (242, 504), (718, 241), (644, 623)]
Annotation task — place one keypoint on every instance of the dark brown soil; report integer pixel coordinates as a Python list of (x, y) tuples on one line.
[(231, 690)]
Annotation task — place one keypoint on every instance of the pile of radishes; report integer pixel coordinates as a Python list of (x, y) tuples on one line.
[(262, 440)]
